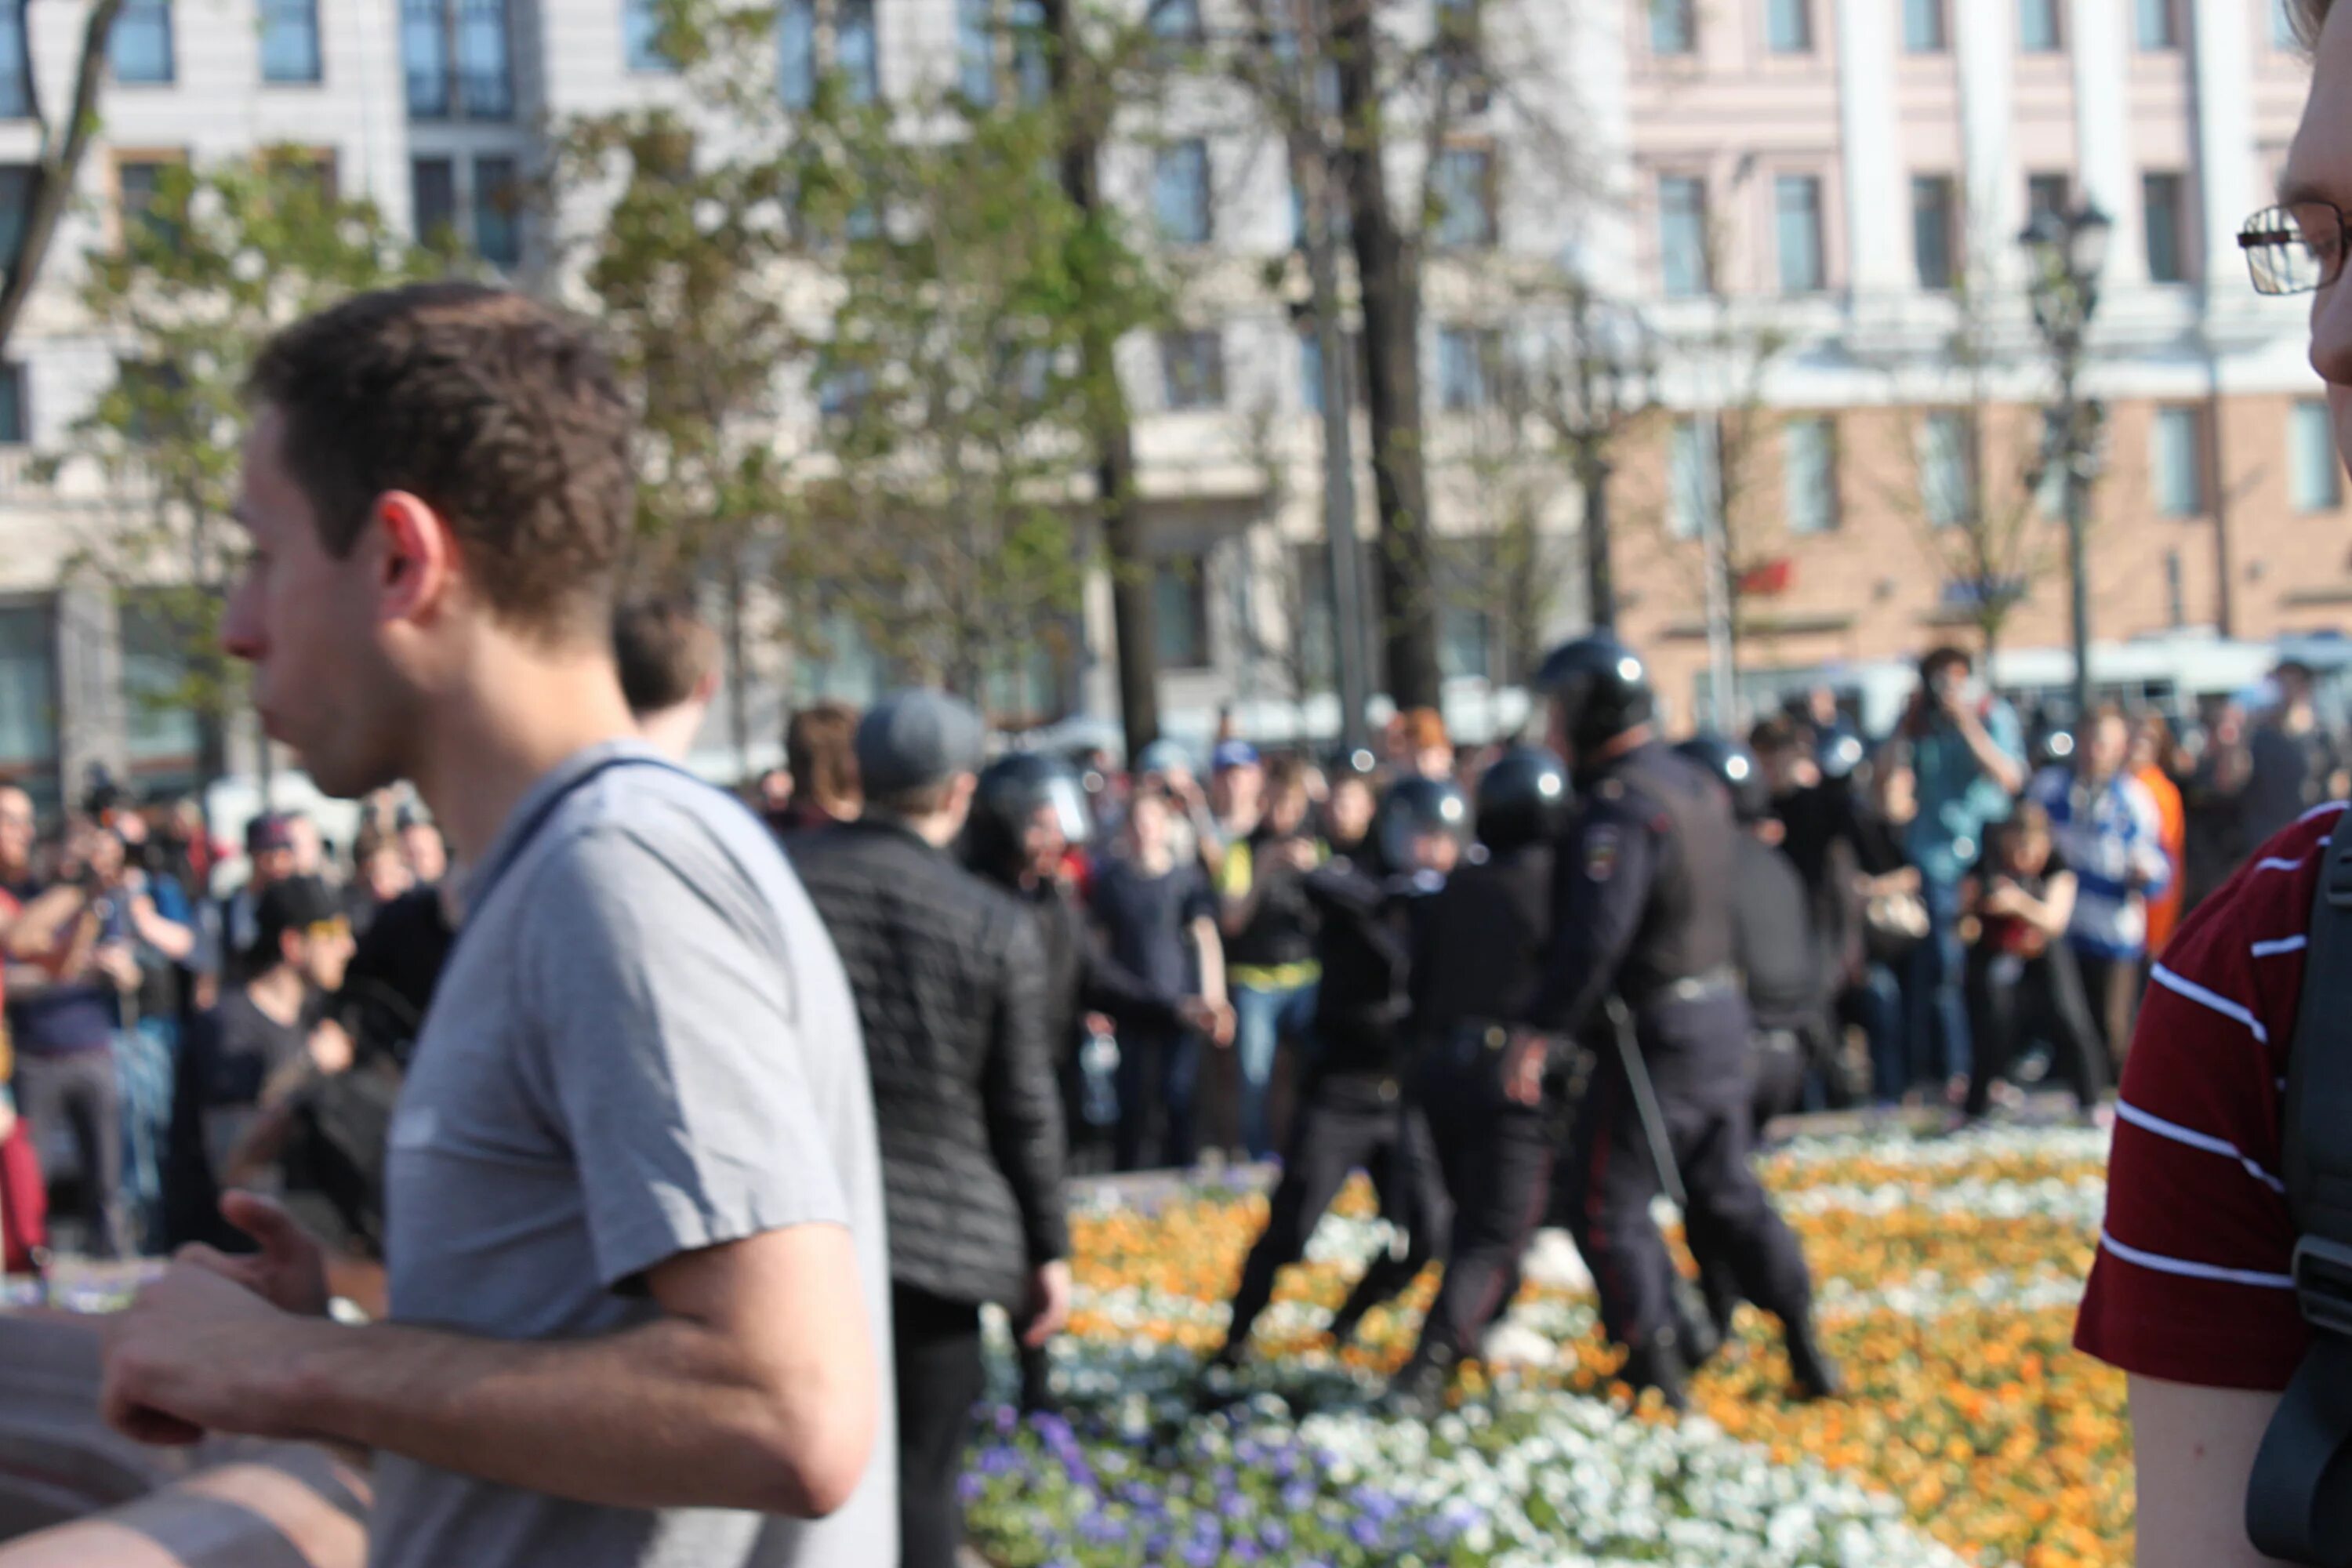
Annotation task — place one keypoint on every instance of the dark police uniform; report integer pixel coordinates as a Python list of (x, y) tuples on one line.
[(1354, 1110), (1642, 909), (1780, 964)]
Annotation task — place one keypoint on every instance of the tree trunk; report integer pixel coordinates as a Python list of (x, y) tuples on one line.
[(62, 152), (1120, 505), (1387, 274)]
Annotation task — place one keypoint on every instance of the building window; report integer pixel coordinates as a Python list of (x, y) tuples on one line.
[(13, 420), (1193, 370), (855, 56), (16, 200), (497, 212), (641, 25), (2156, 24), (1923, 26), (2179, 459), (2037, 26), (841, 394), (1674, 27), (1810, 475), (140, 48), (1789, 27), (1464, 356), (311, 171), (2048, 195), (433, 200), (1175, 21), (28, 692), (976, 51), (15, 63), (139, 182), (1464, 186), (1465, 642), (290, 41), (1947, 468), (1682, 235), (2161, 200), (161, 733), (1796, 220), (1180, 193), (1931, 230), (458, 55), (1180, 611), (1696, 503), (2315, 471)]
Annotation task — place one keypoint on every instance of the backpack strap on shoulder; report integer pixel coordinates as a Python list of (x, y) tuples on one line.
[(2299, 1498)]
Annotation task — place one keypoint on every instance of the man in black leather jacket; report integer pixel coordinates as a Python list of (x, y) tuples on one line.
[(951, 982)]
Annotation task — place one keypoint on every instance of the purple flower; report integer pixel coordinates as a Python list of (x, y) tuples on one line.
[(1275, 1534), (1007, 1418), (970, 1486)]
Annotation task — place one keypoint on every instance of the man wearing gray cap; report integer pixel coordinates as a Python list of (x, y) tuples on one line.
[(949, 977)]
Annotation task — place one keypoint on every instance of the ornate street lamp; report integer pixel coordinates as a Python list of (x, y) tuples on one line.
[(2066, 252)]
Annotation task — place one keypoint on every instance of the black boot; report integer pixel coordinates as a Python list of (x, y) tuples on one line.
[(1657, 1363), (1696, 1336), (1816, 1376), (1418, 1393)]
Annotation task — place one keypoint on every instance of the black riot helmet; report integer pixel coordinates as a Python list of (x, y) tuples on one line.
[(1522, 799), (1735, 764), (1412, 808), (1011, 792), (1601, 688)]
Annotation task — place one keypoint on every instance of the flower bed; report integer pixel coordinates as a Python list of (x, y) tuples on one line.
[(1947, 1270)]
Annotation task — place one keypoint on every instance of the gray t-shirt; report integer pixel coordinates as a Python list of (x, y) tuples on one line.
[(644, 1044)]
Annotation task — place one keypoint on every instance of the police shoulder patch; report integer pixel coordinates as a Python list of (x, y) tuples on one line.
[(1601, 846)]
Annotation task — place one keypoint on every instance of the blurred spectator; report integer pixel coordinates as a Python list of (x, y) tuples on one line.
[(379, 875), (668, 657), (1894, 922), (1236, 789), (2152, 752), (267, 1041), (309, 847), (2023, 978), (422, 845), (821, 756), (1160, 920), (75, 960), (2106, 831), (2292, 762), (1348, 814), (1426, 751), (24, 1198), (1818, 713), (271, 852), (1269, 931), (1967, 755), (149, 907), (1166, 768), (2210, 791)]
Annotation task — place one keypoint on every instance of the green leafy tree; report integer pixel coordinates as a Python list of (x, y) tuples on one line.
[(196, 283)]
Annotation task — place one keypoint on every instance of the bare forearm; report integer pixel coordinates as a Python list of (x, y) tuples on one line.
[(1998, 764), (660, 1416)]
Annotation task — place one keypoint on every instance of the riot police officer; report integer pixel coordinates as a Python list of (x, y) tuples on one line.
[(1354, 1113), (1028, 811), (1782, 968), (1477, 964), (1641, 912)]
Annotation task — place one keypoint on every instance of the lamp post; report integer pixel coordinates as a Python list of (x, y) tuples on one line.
[(2067, 252)]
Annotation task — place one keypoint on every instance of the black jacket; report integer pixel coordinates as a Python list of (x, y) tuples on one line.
[(1364, 944), (951, 981)]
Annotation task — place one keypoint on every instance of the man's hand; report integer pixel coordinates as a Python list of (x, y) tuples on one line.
[(331, 1047), (1215, 1019), (194, 1354), (290, 1272), (1047, 1310), (1296, 854)]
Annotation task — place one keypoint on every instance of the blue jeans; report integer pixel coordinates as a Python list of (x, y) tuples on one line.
[(1876, 1004), (146, 1062), (1158, 1074), (1935, 991), (1263, 1018)]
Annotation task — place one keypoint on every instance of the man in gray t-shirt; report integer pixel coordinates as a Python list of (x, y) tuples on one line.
[(640, 1302), (642, 1045)]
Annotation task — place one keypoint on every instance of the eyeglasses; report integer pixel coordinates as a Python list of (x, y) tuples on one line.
[(2297, 248)]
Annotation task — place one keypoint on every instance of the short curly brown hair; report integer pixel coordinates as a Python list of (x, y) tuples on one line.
[(501, 413)]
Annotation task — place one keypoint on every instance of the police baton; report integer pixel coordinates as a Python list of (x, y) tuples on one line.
[(1645, 1102)]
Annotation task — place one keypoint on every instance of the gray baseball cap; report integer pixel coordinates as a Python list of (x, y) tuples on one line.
[(917, 738)]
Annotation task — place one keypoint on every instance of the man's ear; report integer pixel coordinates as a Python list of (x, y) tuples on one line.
[(706, 691), (417, 556)]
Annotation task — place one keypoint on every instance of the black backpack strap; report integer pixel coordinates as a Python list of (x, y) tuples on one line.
[(2299, 1500)]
